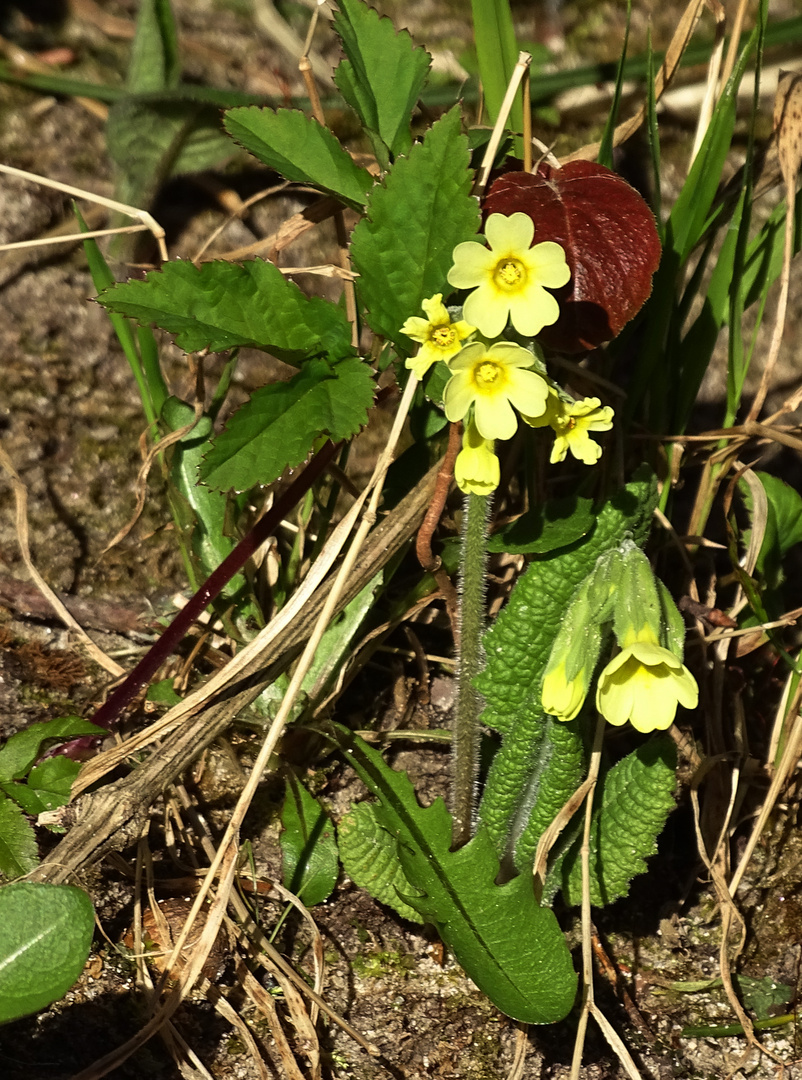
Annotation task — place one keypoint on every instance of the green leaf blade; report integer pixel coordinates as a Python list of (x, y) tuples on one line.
[(21, 751), (403, 248), (300, 149), (369, 854), (18, 851), (277, 427), (637, 795), (309, 850), (512, 948), (220, 306), (45, 934)]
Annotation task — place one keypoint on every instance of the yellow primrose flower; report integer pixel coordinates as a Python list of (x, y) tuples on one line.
[(644, 684), (440, 338), (563, 697), (493, 378), (572, 421), (511, 275), (476, 469)]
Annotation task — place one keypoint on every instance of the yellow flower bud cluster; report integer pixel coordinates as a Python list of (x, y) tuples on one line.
[(646, 681)]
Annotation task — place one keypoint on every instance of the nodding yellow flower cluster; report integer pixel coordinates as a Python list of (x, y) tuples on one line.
[(493, 380)]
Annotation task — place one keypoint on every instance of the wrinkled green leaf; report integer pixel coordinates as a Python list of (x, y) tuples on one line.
[(277, 427), (541, 760), (403, 248), (22, 749), (381, 77), (632, 801), (45, 934), (512, 948), (301, 149), (369, 854), (547, 527), (18, 851), (220, 305), (309, 849)]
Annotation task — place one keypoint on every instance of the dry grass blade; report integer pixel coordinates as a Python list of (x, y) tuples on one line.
[(21, 503), (242, 1029), (147, 220), (712, 85), (267, 1007), (788, 131), (678, 45), (141, 485)]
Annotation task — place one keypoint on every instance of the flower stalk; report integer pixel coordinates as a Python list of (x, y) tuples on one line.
[(465, 745)]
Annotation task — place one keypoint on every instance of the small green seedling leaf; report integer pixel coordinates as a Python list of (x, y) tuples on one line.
[(369, 854), (22, 749), (301, 149), (381, 77), (546, 527), (45, 934), (277, 427), (403, 248), (163, 693), (18, 851), (220, 305), (512, 948), (629, 814), (48, 786), (309, 849)]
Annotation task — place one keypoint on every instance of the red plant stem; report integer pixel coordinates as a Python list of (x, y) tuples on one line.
[(423, 542), (150, 663)]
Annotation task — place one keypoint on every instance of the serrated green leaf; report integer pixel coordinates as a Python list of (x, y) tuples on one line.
[(220, 305), (633, 800), (18, 851), (300, 149), (22, 749), (547, 527), (151, 141), (45, 934), (381, 77), (309, 850), (369, 855), (512, 948), (403, 247), (277, 427)]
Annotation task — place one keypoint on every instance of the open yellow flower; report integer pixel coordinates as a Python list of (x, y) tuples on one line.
[(440, 338), (476, 469), (644, 684), (493, 378), (572, 422), (511, 275)]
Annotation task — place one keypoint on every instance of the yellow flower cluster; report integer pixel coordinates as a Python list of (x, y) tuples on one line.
[(490, 381)]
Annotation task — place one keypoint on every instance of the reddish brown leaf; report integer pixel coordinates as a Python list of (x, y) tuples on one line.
[(610, 242)]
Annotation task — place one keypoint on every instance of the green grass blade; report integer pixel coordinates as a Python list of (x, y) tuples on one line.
[(497, 53), (606, 148)]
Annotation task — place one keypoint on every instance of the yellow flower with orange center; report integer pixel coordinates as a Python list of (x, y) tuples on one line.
[(510, 277), (493, 379), (439, 337)]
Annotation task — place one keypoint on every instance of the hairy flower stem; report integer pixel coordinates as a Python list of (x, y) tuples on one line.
[(465, 747)]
